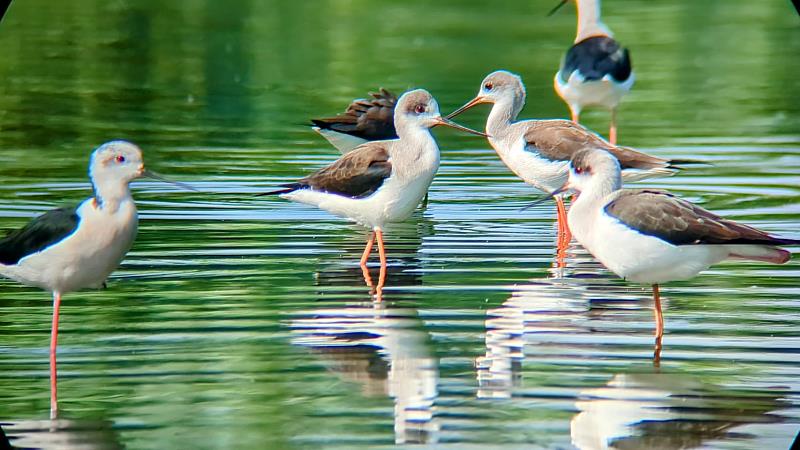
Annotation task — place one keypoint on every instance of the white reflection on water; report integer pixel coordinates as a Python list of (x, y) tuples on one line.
[(350, 337)]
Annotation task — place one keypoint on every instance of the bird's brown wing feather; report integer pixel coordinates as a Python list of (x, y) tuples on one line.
[(669, 218), (371, 119), (559, 140), (356, 174)]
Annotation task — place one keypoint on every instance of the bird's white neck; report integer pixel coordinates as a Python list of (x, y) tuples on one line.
[(589, 22), (597, 189), (503, 113), (415, 152), (110, 194)]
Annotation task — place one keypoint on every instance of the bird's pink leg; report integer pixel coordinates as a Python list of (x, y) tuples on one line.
[(659, 324), (563, 227), (368, 249), (382, 273), (53, 346), (612, 132), (575, 115)]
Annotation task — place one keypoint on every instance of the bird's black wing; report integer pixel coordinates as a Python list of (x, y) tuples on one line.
[(594, 58), (38, 234)]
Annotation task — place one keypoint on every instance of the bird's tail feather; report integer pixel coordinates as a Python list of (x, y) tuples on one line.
[(764, 253), (291, 187)]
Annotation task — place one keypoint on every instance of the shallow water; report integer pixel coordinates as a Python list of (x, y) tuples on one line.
[(242, 322)]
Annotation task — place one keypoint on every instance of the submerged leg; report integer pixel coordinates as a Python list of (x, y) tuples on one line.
[(53, 346), (368, 249), (382, 273), (612, 132)]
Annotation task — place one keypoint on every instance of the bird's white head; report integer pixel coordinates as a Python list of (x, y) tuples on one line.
[(418, 109), (594, 171), (112, 167), (500, 87), (116, 162)]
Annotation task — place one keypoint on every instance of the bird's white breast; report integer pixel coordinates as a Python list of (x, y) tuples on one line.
[(539, 172), (578, 92), (87, 256), (635, 256)]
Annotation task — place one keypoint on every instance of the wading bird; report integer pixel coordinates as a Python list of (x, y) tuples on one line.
[(72, 248), (596, 70)]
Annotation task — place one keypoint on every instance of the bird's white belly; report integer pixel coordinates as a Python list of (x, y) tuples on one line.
[(394, 201), (539, 172), (641, 258), (579, 92), (84, 259)]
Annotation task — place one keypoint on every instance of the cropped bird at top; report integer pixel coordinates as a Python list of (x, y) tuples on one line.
[(72, 248), (381, 181), (539, 151), (651, 236), (364, 120), (596, 70)]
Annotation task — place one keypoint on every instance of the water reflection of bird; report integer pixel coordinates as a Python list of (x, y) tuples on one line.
[(665, 411), (68, 249), (532, 309), (60, 434), (383, 349), (383, 181), (364, 120), (650, 236), (596, 70), (538, 151)]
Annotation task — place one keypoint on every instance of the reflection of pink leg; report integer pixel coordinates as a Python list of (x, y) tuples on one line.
[(382, 273), (53, 345), (368, 249)]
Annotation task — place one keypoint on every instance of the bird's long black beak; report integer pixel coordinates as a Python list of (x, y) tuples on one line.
[(475, 101), (560, 190), (558, 6), (155, 176), (451, 124)]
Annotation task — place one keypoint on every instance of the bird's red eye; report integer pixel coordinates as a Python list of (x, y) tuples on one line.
[(488, 86), (579, 170), (419, 109), (120, 159)]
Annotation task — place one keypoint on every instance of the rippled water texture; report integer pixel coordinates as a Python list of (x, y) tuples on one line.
[(243, 322)]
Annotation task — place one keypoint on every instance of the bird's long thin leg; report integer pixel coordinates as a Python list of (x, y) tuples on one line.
[(612, 132), (659, 324), (657, 310), (53, 346), (382, 273), (563, 227), (575, 115), (368, 249)]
